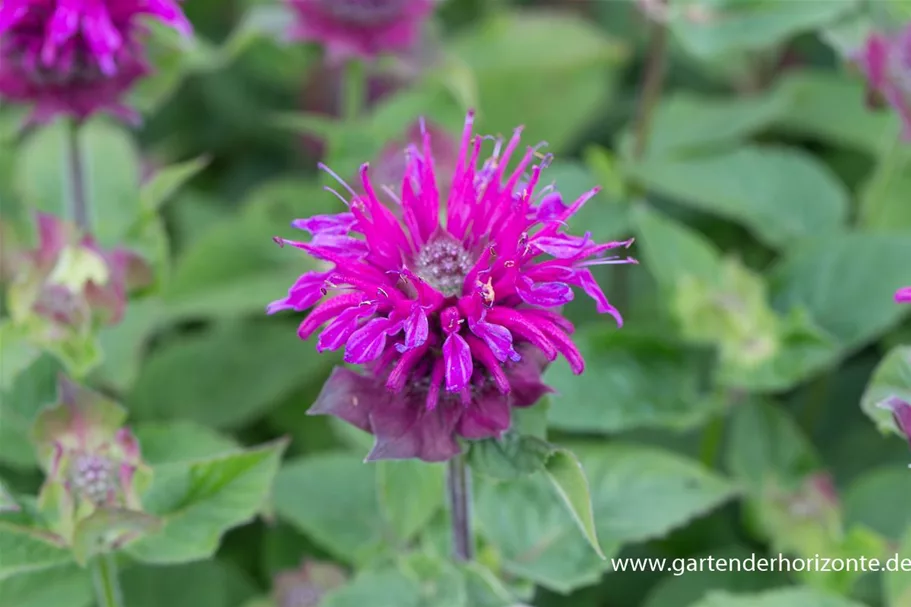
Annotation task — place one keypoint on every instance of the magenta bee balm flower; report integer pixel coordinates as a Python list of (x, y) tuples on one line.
[(886, 61), (453, 312), (903, 295), (77, 57), (361, 28)]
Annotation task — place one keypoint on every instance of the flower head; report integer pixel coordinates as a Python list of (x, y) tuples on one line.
[(93, 465), (454, 313), (886, 61), (903, 295), (307, 585), (66, 286), (77, 57), (362, 28)]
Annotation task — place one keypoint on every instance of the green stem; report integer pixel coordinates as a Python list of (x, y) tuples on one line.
[(107, 586), (458, 485), (712, 436), (652, 85), (79, 205), (354, 91)]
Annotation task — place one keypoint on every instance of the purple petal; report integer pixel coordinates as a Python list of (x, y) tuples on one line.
[(339, 223), (903, 295), (417, 328), (348, 396), (551, 206), (497, 337), (584, 279), (487, 417), (457, 359), (901, 410), (340, 329), (544, 294), (405, 429), (368, 342), (308, 290), (563, 246)]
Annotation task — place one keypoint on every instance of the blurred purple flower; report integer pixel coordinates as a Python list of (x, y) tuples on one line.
[(886, 61), (77, 57), (903, 295), (307, 585), (360, 28), (901, 410), (453, 318)]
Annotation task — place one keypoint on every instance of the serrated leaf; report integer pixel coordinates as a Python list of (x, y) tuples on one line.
[(509, 457), (346, 519), (565, 472), (201, 500), (632, 491), (167, 181), (410, 494), (108, 529)]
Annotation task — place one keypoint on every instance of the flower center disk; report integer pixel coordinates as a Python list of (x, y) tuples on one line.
[(93, 477), (443, 264)]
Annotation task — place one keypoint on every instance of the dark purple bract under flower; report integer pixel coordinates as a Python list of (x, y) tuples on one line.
[(360, 28), (901, 411), (886, 61), (453, 312), (77, 57)]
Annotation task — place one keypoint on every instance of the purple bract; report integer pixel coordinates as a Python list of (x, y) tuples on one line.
[(886, 61), (453, 312), (360, 28), (77, 57)]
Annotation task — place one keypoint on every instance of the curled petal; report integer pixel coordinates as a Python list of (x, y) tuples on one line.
[(308, 290), (497, 337), (367, 343), (544, 294), (417, 328), (585, 280), (457, 360), (340, 329)]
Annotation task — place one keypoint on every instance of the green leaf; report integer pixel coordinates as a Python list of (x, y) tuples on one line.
[(386, 588), (830, 277), (897, 582), (485, 589), (18, 355), (441, 583), (176, 441), (878, 500), (686, 122), (565, 472), (201, 500), (892, 378), (105, 529), (884, 198), (786, 597), (779, 194), (637, 494), (35, 573), (690, 586), (559, 65), (332, 498), (212, 583), (19, 407), (124, 344), (410, 494), (167, 181), (828, 106), (716, 29), (623, 365), (111, 162), (509, 457), (227, 377), (766, 444)]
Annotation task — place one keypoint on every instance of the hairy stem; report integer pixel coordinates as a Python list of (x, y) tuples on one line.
[(107, 586), (652, 85), (458, 485), (79, 205)]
